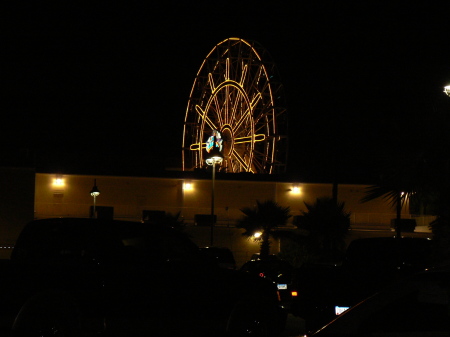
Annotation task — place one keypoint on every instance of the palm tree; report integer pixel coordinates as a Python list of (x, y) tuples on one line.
[(266, 217), (325, 224), (405, 181)]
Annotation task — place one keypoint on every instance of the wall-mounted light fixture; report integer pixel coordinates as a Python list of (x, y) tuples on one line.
[(188, 186), (58, 186), (296, 189), (58, 182)]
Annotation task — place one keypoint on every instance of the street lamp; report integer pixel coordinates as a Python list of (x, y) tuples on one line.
[(257, 235), (215, 157), (447, 90), (95, 192)]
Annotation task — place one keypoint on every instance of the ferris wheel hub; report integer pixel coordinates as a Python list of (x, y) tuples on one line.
[(228, 140)]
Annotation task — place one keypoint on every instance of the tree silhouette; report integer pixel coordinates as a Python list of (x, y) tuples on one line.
[(266, 217), (408, 179), (325, 225)]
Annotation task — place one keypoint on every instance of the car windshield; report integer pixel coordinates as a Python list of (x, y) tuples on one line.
[(416, 305)]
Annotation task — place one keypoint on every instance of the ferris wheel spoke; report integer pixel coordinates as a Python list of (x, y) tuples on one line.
[(260, 127), (260, 155), (255, 80), (240, 160), (261, 73), (259, 165), (196, 146), (239, 101), (255, 100), (237, 166), (262, 120), (219, 111), (227, 88), (230, 165), (260, 160), (211, 82), (205, 117), (227, 102), (219, 107), (241, 121), (265, 90), (244, 74), (256, 138), (264, 111)]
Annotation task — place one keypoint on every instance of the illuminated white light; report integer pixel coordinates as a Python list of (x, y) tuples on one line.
[(296, 190), (447, 90), (58, 182), (95, 192), (257, 235), (339, 310), (214, 160), (187, 186)]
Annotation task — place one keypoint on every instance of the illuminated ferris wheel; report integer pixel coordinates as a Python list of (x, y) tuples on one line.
[(237, 93)]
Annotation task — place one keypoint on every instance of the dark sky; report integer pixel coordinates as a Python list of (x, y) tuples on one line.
[(106, 84)]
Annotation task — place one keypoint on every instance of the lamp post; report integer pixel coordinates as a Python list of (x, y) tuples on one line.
[(95, 192), (447, 90), (214, 146)]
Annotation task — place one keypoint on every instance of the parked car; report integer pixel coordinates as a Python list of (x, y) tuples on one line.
[(415, 306), (369, 265), (257, 256), (223, 257), (312, 291), (85, 277), (276, 270)]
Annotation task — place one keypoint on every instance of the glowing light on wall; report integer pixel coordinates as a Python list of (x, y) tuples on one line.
[(188, 186), (296, 189), (58, 182)]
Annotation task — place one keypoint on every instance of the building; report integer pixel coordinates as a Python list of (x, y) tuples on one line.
[(44, 195)]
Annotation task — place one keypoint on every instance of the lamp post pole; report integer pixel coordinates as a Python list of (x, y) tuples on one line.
[(215, 157), (212, 161), (95, 192), (212, 202)]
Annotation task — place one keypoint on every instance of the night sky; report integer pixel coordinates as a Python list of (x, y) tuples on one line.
[(103, 86)]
